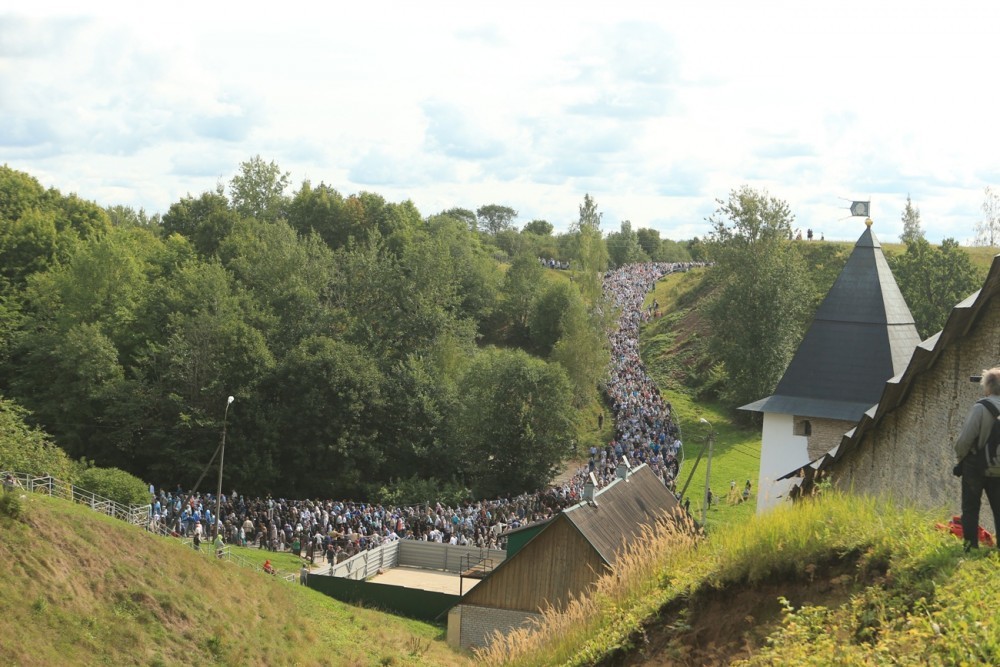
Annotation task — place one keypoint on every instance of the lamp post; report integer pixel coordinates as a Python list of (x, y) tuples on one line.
[(708, 469), (222, 455)]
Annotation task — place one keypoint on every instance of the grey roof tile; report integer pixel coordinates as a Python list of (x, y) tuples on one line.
[(862, 335)]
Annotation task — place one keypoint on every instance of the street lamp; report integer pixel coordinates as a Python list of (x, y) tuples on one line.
[(708, 469), (222, 455)]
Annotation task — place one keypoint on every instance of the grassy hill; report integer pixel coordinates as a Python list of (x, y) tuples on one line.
[(672, 347), (835, 580), (79, 588)]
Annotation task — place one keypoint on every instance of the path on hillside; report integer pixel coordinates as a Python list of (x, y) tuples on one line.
[(644, 430)]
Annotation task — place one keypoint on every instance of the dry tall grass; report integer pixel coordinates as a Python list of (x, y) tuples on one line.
[(612, 609)]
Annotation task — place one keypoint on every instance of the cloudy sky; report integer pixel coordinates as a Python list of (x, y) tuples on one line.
[(656, 109)]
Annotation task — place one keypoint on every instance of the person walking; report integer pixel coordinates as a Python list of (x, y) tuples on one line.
[(976, 478)]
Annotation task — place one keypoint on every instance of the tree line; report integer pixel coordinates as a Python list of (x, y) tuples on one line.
[(372, 351)]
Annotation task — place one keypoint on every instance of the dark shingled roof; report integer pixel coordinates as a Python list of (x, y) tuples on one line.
[(862, 335), (621, 510), (962, 319)]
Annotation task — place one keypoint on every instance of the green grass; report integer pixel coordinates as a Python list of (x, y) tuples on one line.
[(735, 457), (79, 588), (834, 580), (669, 349)]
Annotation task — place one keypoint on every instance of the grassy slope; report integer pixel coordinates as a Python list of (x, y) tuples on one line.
[(81, 588), (668, 348), (833, 581)]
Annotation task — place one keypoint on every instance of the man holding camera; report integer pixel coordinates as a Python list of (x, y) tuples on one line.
[(972, 462)]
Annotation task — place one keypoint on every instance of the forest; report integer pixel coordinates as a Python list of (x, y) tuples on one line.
[(372, 351)]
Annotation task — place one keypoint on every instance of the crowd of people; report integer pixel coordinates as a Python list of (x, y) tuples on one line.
[(553, 263), (644, 432)]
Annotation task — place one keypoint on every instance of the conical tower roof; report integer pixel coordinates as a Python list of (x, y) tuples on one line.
[(862, 335)]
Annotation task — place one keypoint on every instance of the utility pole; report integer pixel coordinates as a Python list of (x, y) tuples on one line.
[(708, 470), (222, 455)]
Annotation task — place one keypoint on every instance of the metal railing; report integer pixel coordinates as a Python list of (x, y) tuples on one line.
[(367, 563), (137, 515)]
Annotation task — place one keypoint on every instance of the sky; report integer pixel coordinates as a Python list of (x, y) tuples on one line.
[(657, 110)]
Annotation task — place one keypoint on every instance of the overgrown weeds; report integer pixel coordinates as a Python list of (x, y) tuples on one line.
[(11, 506), (609, 614), (847, 580)]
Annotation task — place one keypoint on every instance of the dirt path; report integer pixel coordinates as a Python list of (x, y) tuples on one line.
[(568, 470)]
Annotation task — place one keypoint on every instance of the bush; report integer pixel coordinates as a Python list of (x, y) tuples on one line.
[(115, 484), (28, 450), (416, 491), (10, 505)]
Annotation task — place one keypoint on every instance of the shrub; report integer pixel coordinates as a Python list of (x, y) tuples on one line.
[(414, 491), (28, 450), (115, 484), (10, 505)]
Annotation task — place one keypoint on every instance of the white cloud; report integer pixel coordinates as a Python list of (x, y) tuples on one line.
[(655, 110)]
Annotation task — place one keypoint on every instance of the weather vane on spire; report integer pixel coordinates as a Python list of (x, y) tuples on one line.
[(861, 209)]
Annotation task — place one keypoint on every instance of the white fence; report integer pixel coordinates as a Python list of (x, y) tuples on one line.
[(137, 515), (413, 553)]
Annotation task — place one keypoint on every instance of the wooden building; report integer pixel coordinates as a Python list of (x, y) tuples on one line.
[(562, 559)]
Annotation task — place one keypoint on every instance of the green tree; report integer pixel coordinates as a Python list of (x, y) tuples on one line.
[(28, 449), (623, 246), (126, 216), (39, 228), (329, 394), (758, 313), (321, 210), (674, 251), (933, 280), (911, 223), (512, 243), (477, 275), (30, 244), (116, 485), (19, 193), (399, 305), (495, 218), (204, 221), (289, 277), (522, 285), (539, 227), (516, 420), (258, 189), (649, 241), (465, 216), (587, 247), (70, 382), (85, 218), (547, 324), (583, 350), (589, 215)]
